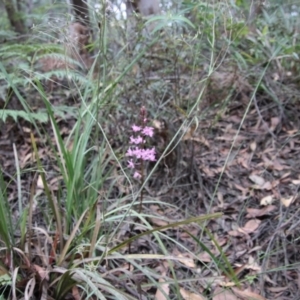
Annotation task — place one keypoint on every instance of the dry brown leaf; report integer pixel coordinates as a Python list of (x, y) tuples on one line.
[(258, 212), (223, 294), (208, 171), (162, 293), (240, 188), (250, 226), (235, 233), (277, 166), (288, 201), (189, 133), (257, 179), (275, 183), (39, 183), (158, 222), (244, 160), (285, 176), (252, 264), (267, 186), (204, 257), (54, 183), (275, 76), (239, 269), (186, 295), (278, 289), (202, 140), (25, 159), (266, 200), (157, 209), (253, 146), (274, 122), (247, 295), (184, 258), (221, 240), (188, 230), (221, 199), (43, 273), (227, 284), (75, 293), (188, 262)]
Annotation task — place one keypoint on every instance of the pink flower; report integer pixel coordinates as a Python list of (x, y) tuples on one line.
[(149, 154), (136, 128), (137, 140), (130, 164), (144, 154), (137, 175), (148, 131), (130, 152), (139, 152)]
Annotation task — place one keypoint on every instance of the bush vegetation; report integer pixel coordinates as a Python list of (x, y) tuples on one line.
[(76, 224)]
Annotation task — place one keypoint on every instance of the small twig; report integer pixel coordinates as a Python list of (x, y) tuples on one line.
[(262, 119)]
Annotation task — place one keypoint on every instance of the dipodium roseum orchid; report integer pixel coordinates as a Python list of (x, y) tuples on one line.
[(138, 152)]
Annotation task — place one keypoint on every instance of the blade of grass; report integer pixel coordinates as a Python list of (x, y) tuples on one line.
[(70, 239), (6, 232), (95, 232), (52, 201), (171, 225)]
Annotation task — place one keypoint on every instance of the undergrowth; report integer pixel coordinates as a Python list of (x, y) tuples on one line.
[(90, 237)]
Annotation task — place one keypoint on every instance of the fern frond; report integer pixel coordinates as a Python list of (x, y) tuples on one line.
[(15, 114), (17, 48), (7, 33), (60, 75), (57, 58)]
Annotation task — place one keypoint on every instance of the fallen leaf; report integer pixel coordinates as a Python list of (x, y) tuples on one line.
[(285, 175), (39, 183), (275, 76), (247, 295), (162, 293), (252, 264), (221, 199), (189, 133), (253, 146), (186, 295), (251, 226), (75, 293), (44, 274), (158, 222), (188, 262), (278, 289), (288, 201), (208, 171), (222, 294), (274, 122), (227, 284), (277, 166), (257, 179), (266, 186), (259, 212), (235, 233), (184, 258), (266, 200), (204, 257)]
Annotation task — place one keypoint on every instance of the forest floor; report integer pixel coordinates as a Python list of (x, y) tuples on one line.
[(242, 161)]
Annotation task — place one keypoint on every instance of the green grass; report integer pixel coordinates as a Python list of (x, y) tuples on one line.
[(79, 241)]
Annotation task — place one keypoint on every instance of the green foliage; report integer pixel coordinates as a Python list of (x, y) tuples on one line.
[(6, 229), (96, 198), (28, 116)]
